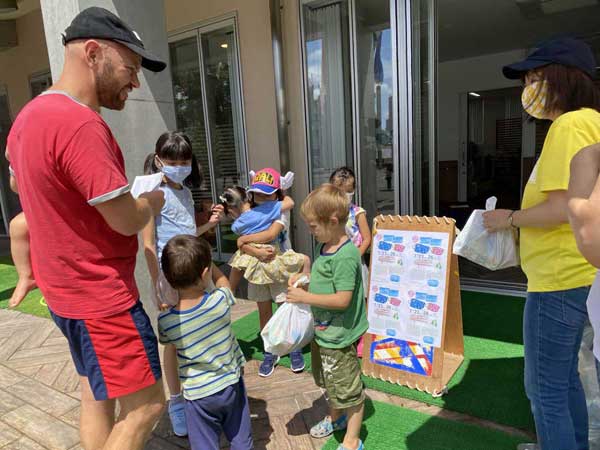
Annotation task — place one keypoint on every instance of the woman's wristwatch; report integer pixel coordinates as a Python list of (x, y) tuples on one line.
[(510, 219)]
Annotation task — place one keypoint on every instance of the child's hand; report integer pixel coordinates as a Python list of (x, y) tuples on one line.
[(218, 211), (214, 218), (242, 240), (294, 279), (164, 307), (297, 295)]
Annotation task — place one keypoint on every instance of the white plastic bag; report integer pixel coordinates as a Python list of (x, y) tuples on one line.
[(493, 250), (291, 327)]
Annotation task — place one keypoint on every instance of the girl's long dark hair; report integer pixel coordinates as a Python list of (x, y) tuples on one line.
[(175, 146)]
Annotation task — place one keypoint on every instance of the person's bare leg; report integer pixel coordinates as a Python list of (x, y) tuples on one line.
[(355, 419), (265, 312), (19, 249), (139, 413), (235, 276), (171, 370), (96, 419)]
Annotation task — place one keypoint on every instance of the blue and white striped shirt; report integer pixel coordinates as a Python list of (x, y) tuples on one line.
[(208, 353)]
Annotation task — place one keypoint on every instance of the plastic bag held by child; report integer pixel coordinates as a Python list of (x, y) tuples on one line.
[(291, 328), (493, 250)]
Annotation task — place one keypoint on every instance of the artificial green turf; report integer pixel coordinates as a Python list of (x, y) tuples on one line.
[(390, 427), (489, 383), (33, 303)]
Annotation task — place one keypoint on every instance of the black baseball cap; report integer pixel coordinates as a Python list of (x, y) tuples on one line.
[(99, 23), (566, 51)]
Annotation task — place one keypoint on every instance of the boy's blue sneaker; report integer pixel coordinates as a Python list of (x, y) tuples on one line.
[(360, 446), (297, 361), (268, 365), (326, 427), (177, 416)]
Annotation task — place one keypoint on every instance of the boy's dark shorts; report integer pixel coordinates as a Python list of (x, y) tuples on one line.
[(337, 370)]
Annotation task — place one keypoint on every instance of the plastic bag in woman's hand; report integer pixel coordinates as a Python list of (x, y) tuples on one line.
[(493, 250), (291, 328)]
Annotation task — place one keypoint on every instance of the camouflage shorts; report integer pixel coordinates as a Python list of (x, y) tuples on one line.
[(337, 370)]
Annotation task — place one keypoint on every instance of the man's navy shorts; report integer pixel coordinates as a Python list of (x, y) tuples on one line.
[(118, 354)]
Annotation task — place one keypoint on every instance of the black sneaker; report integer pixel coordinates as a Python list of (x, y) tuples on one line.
[(268, 365), (297, 361)]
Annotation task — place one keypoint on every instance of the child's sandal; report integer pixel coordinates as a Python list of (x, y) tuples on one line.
[(326, 427)]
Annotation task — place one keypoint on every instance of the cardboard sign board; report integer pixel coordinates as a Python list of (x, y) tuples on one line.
[(415, 335)]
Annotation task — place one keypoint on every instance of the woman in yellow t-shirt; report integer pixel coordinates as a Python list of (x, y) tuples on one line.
[(558, 86)]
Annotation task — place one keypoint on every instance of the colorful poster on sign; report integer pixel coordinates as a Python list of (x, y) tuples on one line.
[(402, 355), (408, 285)]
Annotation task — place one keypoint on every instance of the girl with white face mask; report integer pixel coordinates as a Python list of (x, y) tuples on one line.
[(558, 86), (173, 157)]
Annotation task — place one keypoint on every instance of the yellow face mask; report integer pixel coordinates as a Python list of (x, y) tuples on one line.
[(534, 99)]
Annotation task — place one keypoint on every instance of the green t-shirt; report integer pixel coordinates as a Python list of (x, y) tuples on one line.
[(331, 273)]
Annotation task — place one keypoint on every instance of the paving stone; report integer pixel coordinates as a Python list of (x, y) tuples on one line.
[(9, 377), (30, 371), (72, 417), (39, 361), (56, 341), (45, 398), (8, 402), (15, 341), (24, 444), (39, 337), (48, 373), (8, 434), (34, 353), (42, 428)]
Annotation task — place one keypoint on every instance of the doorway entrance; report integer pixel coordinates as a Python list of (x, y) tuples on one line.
[(485, 145), (208, 108)]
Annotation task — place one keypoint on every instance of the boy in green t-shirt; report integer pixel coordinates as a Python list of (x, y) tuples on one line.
[(335, 294)]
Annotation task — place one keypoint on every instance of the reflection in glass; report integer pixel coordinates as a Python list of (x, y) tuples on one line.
[(423, 100), (223, 116), (375, 100), (189, 112), (9, 204), (327, 54)]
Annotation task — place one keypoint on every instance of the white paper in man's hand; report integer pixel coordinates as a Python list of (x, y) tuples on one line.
[(146, 183)]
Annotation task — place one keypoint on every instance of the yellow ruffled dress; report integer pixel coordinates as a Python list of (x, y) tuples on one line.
[(279, 270)]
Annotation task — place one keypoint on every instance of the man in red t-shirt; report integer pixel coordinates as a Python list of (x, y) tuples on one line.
[(83, 223)]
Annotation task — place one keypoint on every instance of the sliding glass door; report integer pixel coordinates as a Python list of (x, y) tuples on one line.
[(350, 97), (328, 91), (8, 200), (208, 107)]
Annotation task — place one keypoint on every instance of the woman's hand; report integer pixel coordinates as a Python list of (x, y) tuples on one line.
[(497, 219)]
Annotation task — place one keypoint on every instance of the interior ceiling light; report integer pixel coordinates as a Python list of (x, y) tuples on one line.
[(474, 94), (534, 9), (223, 45), (8, 6)]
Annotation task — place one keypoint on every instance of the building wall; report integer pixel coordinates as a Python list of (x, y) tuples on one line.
[(19, 63), (457, 77), (258, 82)]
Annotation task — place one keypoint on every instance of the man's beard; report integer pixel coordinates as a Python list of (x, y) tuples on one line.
[(108, 90)]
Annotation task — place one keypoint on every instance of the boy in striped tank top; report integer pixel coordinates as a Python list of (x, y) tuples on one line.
[(210, 359)]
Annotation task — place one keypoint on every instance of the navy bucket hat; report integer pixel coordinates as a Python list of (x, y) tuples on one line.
[(566, 51)]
